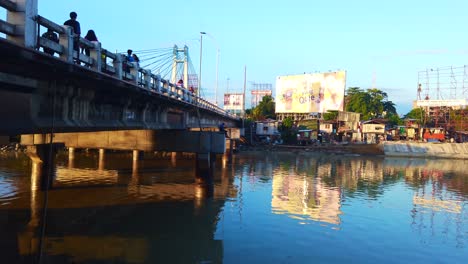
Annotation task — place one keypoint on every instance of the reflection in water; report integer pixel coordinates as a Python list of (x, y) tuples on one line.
[(272, 207), (115, 209), (304, 196)]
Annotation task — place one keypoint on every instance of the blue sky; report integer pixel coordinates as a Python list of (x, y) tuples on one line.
[(385, 41)]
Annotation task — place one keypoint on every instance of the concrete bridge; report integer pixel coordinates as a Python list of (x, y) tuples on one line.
[(78, 101), (76, 92)]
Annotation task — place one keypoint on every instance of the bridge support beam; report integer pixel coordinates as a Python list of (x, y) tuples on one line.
[(43, 158)]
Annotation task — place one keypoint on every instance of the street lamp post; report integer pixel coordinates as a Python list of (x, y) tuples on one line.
[(217, 67), (200, 70)]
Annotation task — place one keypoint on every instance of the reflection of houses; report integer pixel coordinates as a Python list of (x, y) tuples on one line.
[(305, 196)]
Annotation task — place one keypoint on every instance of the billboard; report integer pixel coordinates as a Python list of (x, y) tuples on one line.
[(310, 93), (233, 101), (441, 103), (257, 96)]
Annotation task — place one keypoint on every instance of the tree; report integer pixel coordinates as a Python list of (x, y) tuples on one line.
[(393, 119), (265, 109), (330, 115), (416, 113), (288, 133), (372, 103)]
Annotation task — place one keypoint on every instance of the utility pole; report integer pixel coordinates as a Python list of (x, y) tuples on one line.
[(245, 81)]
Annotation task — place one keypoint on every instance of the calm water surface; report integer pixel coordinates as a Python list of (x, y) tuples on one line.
[(267, 208)]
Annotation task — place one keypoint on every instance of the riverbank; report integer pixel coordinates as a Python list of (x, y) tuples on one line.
[(363, 149), (388, 148)]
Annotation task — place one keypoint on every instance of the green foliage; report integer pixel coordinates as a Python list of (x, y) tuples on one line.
[(288, 133), (394, 119), (459, 119), (416, 113), (330, 115), (288, 123), (372, 103), (265, 109)]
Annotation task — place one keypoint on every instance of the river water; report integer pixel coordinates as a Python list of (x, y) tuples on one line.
[(267, 208)]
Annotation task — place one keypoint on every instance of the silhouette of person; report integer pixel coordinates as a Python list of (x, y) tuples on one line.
[(75, 25), (50, 34), (223, 129), (180, 83), (91, 36), (136, 60), (129, 56)]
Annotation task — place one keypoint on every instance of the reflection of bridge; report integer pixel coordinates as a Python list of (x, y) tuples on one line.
[(78, 99), (121, 213)]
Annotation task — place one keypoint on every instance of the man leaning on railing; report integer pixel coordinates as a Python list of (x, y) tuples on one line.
[(75, 25)]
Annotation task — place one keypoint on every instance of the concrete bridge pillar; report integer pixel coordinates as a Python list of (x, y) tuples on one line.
[(66, 40), (95, 54), (174, 156), (134, 72), (118, 66), (135, 176), (71, 157), (43, 158), (137, 155), (101, 162), (204, 174), (71, 153), (23, 18)]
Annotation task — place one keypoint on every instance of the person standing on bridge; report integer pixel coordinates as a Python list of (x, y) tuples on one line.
[(75, 25), (129, 58), (136, 60), (91, 36)]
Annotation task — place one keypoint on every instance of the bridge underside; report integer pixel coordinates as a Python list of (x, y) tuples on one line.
[(143, 140), (40, 93)]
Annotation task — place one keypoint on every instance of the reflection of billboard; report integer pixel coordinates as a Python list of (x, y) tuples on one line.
[(307, 197), (233, 101), (309, 93), (257, 96)]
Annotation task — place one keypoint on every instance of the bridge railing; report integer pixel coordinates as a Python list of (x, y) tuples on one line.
[(99, 59)]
